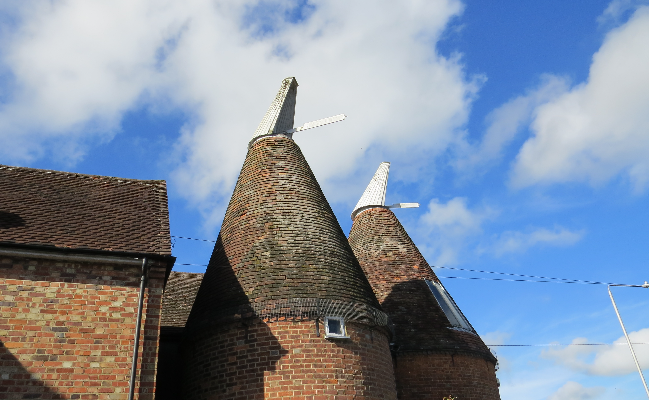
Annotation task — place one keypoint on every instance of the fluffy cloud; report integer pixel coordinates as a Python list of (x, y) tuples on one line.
[(516, 242), (505, 122), (575, 391), (597, 129), (496, 337), (74, 68), (448, 227), (609, 360)]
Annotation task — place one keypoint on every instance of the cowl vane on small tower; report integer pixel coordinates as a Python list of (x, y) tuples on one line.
[(375, 194), (430, 330)]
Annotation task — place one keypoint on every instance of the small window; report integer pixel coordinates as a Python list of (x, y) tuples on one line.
[(335, 328), (449, 307)]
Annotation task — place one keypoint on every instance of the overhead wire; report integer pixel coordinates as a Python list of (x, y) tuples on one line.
[(558, 344), (563, 280), (550, 279), (189, 238)]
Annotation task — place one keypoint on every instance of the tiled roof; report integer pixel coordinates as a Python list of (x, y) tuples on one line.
[(279, 239), (76, 211), (178, 298), (397, 272)]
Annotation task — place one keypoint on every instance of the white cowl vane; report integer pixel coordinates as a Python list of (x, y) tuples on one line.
[(279, 117), (375, 194), (278, 120)]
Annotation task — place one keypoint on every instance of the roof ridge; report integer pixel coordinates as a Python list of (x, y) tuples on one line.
[(79, 174)]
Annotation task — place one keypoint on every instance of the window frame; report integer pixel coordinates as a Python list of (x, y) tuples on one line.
[(449, 307), (332, 335)]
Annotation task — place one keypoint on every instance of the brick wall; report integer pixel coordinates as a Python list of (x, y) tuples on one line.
[(287, 360), (434, 376), (66, 329)]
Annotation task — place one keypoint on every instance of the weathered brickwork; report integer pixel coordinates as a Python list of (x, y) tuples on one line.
[(281, 242), (279, 238), (287, 360), (67, 329), (435, 376), (396, 270)]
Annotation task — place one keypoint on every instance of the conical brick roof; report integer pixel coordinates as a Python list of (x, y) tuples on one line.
[(398, 272), (279, 240)]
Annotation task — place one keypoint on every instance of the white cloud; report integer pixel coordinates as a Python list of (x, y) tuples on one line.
[(598, 129), (505, 122), (518, 242), (608, 360), (77, 67), (448, 227), (617, 9), (496, 337), (575, 391)]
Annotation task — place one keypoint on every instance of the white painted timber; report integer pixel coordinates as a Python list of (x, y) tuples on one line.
[(405, 205), (375, 193), (317, 123), (278, 120)]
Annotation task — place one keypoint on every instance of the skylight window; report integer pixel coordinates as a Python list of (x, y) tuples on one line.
[(449, 307), (335, 328)]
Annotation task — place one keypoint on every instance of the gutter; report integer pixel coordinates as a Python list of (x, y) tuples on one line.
[(138, 324), (83, 255)]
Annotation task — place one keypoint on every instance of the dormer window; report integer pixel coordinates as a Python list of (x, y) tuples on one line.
[(449, 307), (335, 328)]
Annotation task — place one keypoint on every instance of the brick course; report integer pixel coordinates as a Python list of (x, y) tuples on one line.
[(67, 329), (434, 376), (254, 359)]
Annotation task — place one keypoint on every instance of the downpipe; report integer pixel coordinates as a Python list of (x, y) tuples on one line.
[(138, 324)]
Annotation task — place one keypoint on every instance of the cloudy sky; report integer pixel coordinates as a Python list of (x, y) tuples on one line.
[(520, 127)]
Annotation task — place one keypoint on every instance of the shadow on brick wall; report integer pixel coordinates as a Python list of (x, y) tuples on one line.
[(419, 322), (226, 349), (17, 383)]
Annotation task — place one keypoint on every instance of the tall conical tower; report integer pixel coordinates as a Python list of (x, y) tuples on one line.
[(284, 309), (437, 352)]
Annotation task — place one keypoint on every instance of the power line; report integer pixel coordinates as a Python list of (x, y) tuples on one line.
[(530, 280), (550, 279), (189, 238), (563, 280), (557, 344)]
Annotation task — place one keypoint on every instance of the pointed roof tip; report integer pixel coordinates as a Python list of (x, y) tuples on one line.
[(279, 116), (375, 193)]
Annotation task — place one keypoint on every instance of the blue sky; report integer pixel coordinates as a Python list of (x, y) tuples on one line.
[(520, 127)]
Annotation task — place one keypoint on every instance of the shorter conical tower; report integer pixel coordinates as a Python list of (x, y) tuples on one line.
[(284, 309), (437, 353)]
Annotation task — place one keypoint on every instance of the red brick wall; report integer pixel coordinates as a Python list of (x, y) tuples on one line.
[(286, 360), (66, 329), (434, 376)]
